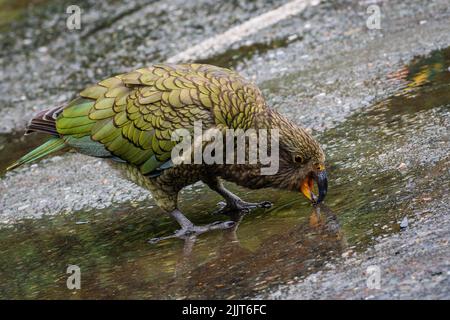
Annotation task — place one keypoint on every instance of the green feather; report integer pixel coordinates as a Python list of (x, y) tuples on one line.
[(74, 119), (77, 108), (103, 129), (79, 130), (69, 123), (101, 114), (87, 146), (149, 165), (52, 145)]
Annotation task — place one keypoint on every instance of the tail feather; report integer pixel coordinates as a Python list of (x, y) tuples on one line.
[(45, 121), (52, 145)]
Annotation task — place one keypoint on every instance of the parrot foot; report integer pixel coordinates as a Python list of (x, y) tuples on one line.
[(240, 206), (193, 231), (189, 230)]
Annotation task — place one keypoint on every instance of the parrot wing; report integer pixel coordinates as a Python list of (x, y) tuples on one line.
[(132, 116)]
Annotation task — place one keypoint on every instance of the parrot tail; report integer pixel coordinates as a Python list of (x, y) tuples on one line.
[(52, 145), (45, 122)]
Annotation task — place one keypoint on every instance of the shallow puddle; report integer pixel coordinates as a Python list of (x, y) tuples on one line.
[(384, 163), (231, 58), (13, 146)]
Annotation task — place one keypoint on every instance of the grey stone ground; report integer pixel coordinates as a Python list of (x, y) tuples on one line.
[(329, 63)]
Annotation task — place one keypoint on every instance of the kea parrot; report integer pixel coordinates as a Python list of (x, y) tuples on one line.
[(131, 117)]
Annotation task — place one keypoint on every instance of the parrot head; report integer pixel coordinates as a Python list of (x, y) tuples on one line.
[(301, 162)]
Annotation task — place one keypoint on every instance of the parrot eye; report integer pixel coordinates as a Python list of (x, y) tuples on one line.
[(298, 159)]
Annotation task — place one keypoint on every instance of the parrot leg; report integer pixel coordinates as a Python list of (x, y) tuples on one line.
[(166, 197), (233, 202), (188, 229)]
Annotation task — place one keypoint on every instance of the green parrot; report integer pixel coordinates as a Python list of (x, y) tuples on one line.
[(131, 118)]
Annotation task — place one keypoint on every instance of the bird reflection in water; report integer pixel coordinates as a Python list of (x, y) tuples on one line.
[(279, 258)]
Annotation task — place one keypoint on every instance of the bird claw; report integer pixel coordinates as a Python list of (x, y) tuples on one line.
[(221, 204), (241, 207), (265, 204), (193, 231)]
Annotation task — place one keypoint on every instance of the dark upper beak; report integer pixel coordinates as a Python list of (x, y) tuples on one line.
[(322, 185), (307, 186)]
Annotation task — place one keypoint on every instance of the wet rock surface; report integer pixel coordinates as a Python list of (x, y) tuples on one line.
[(313, 79), (322, 67), (413, 264)]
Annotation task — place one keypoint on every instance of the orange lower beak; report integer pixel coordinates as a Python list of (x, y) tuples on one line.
[(307, 186)]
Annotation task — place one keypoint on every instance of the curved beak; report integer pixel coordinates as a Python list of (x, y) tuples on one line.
[(307, 186)]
